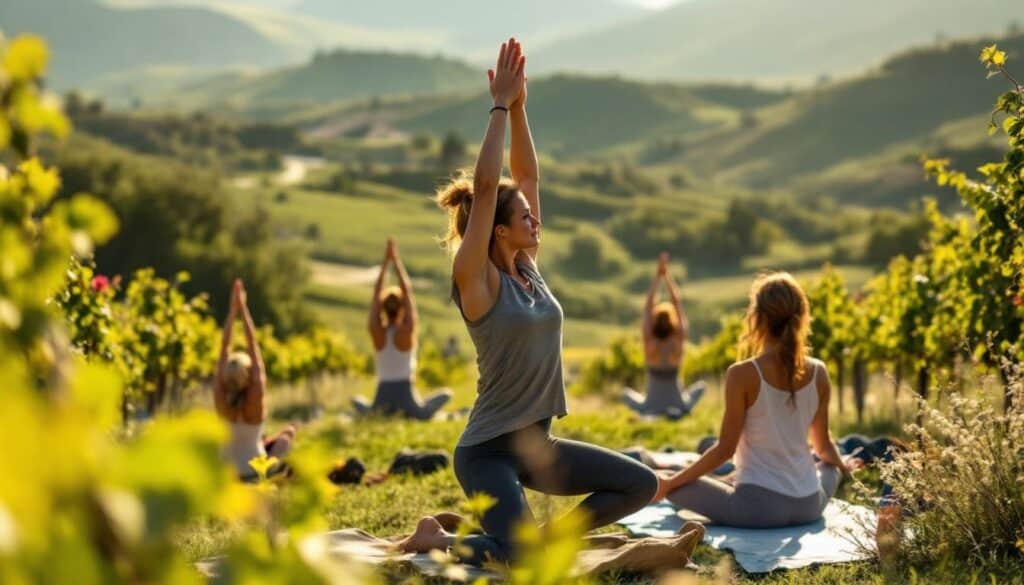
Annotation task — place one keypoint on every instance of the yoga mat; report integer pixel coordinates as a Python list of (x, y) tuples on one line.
[(829, 540)]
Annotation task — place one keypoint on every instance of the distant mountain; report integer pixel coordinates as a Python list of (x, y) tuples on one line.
[(471, 26), (302, 34), (331, 77), (772, 40), (89, 40)]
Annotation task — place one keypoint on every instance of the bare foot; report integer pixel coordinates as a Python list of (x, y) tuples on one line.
[(449, 520), (429, 535), (690, 535), (645, 554)]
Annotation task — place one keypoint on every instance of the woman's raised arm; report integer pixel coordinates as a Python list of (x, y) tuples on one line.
[(258, 379), (219, 398), (373, 318), (652, 295), (523, 157), (674, 298), (470, 267), (404, 283)]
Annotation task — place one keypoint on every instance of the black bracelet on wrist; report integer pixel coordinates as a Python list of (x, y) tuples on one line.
[(502, 108)]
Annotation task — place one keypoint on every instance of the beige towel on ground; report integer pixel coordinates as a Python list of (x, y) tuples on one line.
[(602, 553)]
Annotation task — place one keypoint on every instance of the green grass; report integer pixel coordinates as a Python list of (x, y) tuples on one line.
[(394, 506)]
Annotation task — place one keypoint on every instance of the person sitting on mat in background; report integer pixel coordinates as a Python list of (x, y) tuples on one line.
[(664, 333), (392, 323), (773, 402)]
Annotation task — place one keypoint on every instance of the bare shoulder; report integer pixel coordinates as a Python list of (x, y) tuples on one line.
[(817, 369), (743, 375), (819, 373)]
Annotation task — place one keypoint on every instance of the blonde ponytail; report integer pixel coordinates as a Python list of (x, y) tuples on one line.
[(779, 311)]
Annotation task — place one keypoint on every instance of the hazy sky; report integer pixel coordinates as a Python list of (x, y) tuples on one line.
[(652, 3)]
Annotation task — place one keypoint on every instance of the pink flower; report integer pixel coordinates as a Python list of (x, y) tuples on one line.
[(99, 283)]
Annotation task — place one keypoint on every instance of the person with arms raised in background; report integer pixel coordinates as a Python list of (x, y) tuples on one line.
[(393, 323), (664, 333), (239, 386)]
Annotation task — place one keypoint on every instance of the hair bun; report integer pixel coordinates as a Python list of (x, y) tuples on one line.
[(460, 197)]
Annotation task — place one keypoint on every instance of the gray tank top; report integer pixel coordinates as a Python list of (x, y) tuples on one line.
[(519, 358)]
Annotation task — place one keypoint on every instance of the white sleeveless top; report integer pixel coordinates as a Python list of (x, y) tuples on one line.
[(394, 365), (772, 452), (245, 442)]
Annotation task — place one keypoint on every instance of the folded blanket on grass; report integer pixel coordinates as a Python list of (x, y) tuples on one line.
[(362, 547), (829, 540), (602, 553), (334, 552)]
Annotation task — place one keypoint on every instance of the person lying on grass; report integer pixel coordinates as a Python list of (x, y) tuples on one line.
[(515, 324), (664, 334), (773, 402), (392, 323), (238, 388)]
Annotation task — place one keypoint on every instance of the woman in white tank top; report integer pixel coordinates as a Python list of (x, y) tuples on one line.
[(392, 323), (238, 387), (774, 403)]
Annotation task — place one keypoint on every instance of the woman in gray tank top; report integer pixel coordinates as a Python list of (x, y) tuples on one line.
[(516, 325), (664, 332)]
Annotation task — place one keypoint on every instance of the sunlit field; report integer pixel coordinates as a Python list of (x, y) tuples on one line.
[(199, 201)]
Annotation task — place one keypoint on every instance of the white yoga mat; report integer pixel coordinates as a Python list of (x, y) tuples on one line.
[(829, 540)]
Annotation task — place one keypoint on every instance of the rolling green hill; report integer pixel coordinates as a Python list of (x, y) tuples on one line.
[(734, 133), (900, 106), (894, 177), (570, 114), (331, 77), (89, 40), (577, 114), (777, 40)]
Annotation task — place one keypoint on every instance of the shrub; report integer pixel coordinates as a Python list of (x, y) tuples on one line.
[(622, 364), (592, 253), (961, 484)]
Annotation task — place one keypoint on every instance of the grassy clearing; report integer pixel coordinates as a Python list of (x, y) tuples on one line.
[(394, 506)]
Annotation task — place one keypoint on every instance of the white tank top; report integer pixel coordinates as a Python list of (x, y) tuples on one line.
[(394, 365), (245, 442), (772, 452)]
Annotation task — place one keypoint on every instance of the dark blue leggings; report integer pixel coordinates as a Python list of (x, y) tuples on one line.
[(867, 449), (532, 457)]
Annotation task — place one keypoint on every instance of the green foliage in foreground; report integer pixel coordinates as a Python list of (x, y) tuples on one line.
[(78, 506)]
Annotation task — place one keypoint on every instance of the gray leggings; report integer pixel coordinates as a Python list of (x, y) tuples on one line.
[(752, 506), (399, 397), (532, 457), (664, 397)]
